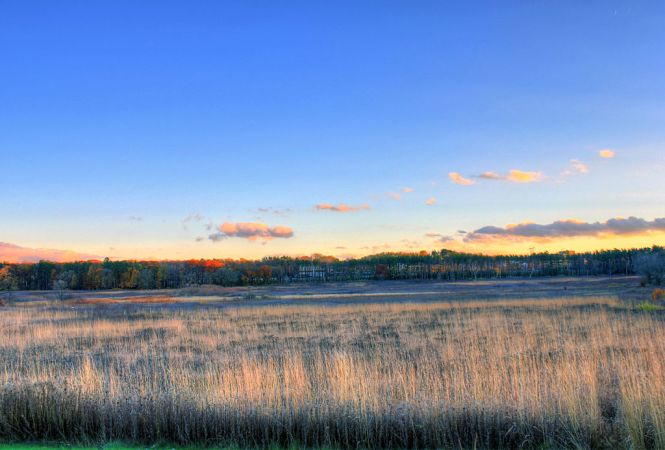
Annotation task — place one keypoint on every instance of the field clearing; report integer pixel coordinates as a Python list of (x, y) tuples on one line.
[(624, 287), (533, 365)]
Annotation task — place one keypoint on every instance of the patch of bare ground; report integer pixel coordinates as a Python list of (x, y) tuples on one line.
[(121, 300)]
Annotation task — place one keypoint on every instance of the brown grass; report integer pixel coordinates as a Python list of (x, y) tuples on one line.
[(574, 373)]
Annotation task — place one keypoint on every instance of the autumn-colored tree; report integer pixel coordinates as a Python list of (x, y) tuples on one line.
[(130, 279), (440, 265), (265, 274)]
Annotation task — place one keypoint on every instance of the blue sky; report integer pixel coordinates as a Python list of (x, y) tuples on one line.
[(111, 112)]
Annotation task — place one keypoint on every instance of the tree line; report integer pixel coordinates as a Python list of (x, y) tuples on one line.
[(438, 265)]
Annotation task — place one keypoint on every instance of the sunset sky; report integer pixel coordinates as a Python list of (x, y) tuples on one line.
[(176, 130)]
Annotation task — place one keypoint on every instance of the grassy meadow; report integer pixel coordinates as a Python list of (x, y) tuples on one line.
[(568, 372)]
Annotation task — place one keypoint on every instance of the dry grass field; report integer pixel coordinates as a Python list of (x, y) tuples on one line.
[(567, 372)]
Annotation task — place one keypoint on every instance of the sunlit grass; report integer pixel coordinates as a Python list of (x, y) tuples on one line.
[(572, 372)]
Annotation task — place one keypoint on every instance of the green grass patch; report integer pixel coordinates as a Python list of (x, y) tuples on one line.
[(650, 307)]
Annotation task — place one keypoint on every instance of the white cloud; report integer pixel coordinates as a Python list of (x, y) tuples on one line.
[(578, 166)]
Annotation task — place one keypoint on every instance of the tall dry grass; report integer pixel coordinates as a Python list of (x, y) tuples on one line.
[(576, 373)]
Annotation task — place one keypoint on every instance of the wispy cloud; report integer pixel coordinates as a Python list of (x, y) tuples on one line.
[(215, 237), (513, 176), (578, 166), (135, 218), (341, 207), (441, 238), (456, 178), (568, 228), (376, 248), (431, 201), (411, 244), (252, 231), (15, 253), (275, 211), (191, 218), (396, 195), (606, 153), (489, 176)]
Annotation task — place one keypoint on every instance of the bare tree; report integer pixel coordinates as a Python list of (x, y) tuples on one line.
[(60, 286)]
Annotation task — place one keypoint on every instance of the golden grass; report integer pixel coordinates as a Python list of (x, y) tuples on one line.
[(569, 372)]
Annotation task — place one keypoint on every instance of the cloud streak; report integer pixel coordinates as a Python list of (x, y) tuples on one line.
[(277, 212), (579, 166), (14, 253), (341, 208), (489, 176), (568, 228), (252, 231), (191, 218), (441, 238), (606, 153), (513, 176), (576, 167), (456, 178)]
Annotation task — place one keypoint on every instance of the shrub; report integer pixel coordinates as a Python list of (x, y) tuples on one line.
[(658, 294), (651, 267)]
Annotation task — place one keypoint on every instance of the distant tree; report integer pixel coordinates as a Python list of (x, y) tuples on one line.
[(43, 273), (93, 278), (265, 274), (107, 279), (147, 279), (443, 265), (66, 280), (651, 267), (8, 281), (59, 286), (130, 279), (227, 277), (160, 276)]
